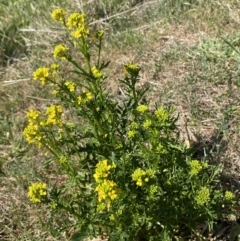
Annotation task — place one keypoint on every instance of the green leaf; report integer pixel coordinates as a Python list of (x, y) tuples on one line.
[(79, 236), (226, 41)]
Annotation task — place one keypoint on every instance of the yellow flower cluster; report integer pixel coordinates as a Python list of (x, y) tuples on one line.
[(102, 171), (70, 85), (37, 192), (147, 124), (77, 21), (107, 190), (140, 176), (229, 195), (41, 74), (131, 134), (61, 52), (84, 98), (54, 66), (54, 113), (142, 108), (45, 74), (203, 196), (196, 167), (161, 114), (33, 115), (32, 132), (79, 33), (59, 15), (96, 73), (131, 68)]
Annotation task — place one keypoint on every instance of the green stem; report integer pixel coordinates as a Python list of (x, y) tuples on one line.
[(99, 52), (69, 210), (86, 53)]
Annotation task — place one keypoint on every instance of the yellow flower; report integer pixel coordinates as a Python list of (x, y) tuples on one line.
[(131, 134), (137, 176), (140, 176), (63, 159), (55, 92), (142, 108), (54, 113), (70, 85), (32, 133), (59, 15), (195, 167), (131, 68), (41, 74), (54, 66), (112, 194), (161, 114), (80, 32), (96, 73), (84, 98), (79, 100), (37, 192), (102, 170), (229, 195), (33, 115), (61, 52), (89, 96), (203, 196), (147, 124), (138, 173), (139, 182), (75, 20), (106, 190)]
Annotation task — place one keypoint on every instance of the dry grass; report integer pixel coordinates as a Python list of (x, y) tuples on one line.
[(183, 57)]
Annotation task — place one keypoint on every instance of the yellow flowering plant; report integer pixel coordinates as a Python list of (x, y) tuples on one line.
[(129, 175)]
